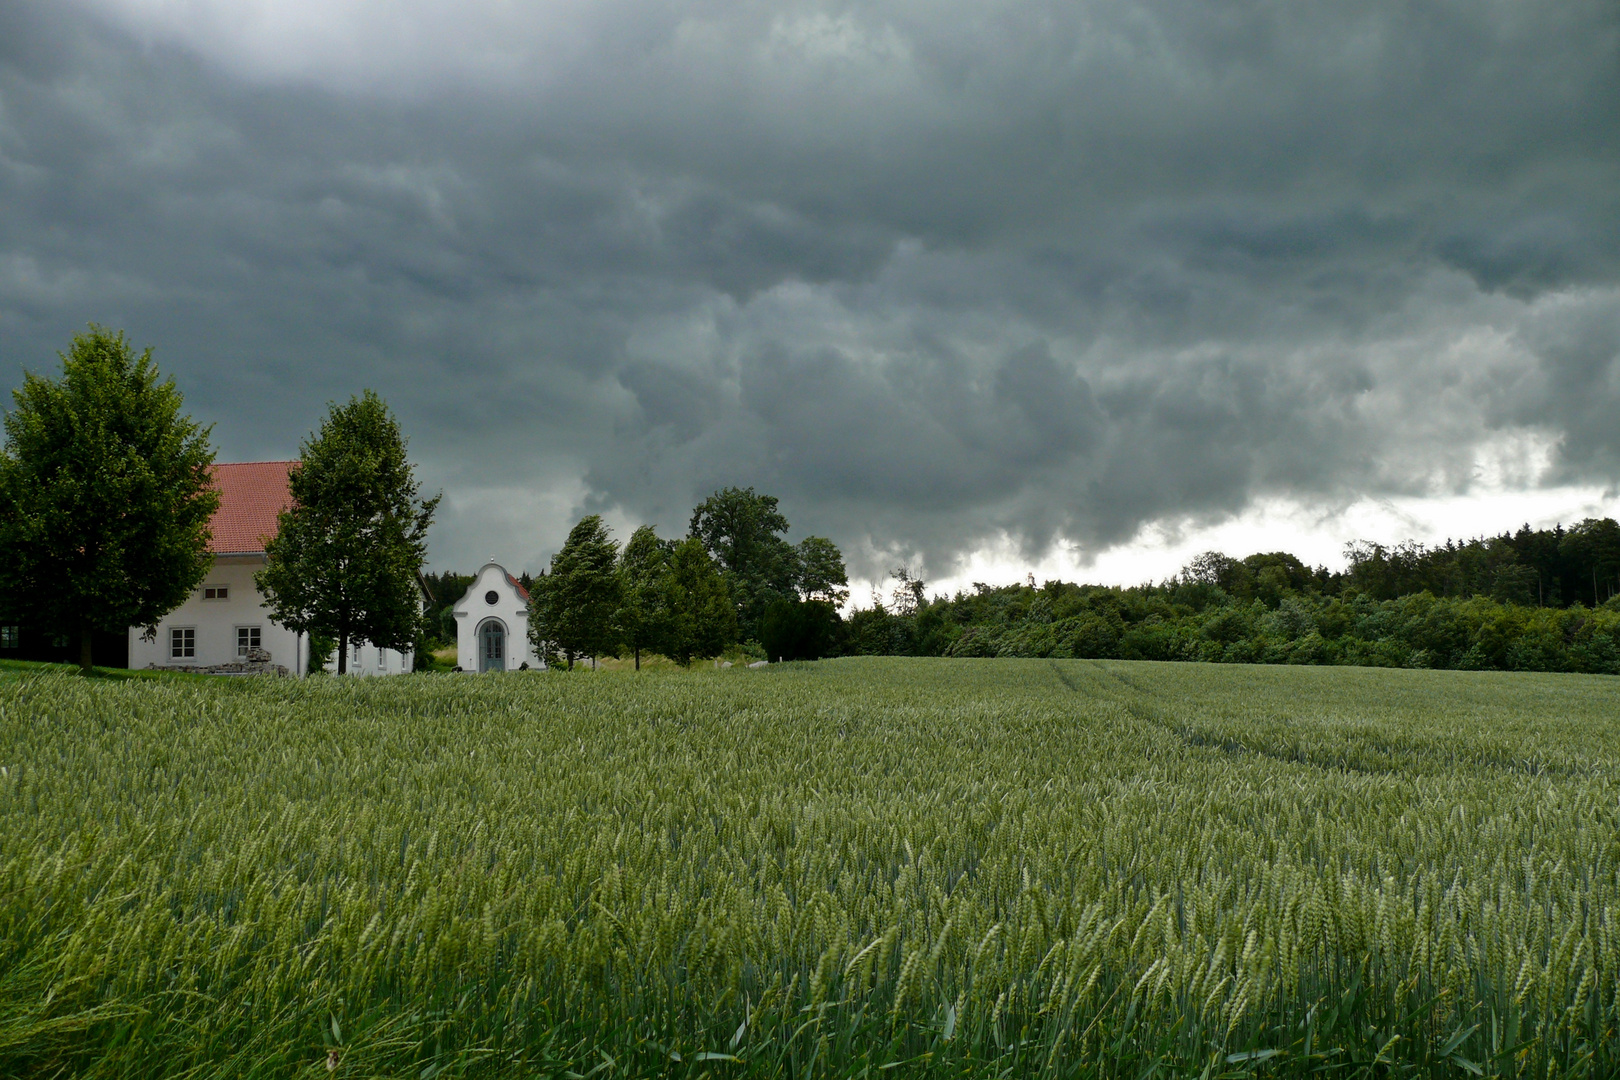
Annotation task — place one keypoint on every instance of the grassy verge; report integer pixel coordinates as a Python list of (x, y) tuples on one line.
[(16, 669)]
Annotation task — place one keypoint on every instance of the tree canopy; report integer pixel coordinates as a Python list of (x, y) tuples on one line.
[(105, 495), (1534, 600), (346, 560), (667, 596), (742, 531), (443, 591), (643, 619), (801, 630), (702, 619), (572, 608), (820, 573)]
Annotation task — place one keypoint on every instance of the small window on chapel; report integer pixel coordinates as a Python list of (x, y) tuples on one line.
[(492, 598), (247, 637), (216, 592)]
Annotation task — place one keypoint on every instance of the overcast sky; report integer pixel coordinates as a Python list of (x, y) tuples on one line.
[(1073, 287)]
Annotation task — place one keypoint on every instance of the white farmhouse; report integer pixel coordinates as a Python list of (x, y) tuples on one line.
[(492, 623), (224, 625)]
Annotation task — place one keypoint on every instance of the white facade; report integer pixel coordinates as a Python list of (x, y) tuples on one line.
[(223, 618), (366, 659), (492, 624), (224, 621)]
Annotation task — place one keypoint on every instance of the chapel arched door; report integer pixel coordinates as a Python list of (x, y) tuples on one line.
[(492, 647)]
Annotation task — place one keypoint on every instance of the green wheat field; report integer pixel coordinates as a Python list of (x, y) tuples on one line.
[(864, 867)]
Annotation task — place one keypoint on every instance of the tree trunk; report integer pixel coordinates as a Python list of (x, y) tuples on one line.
[(638, 658), (86, 652), (343, 652), (570, 660)]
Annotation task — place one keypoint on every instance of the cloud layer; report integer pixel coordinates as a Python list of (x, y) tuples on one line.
[(939, 276)]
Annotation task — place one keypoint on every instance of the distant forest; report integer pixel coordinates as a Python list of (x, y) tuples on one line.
[(1533, 600)]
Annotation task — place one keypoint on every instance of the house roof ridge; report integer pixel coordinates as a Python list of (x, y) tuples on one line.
[(252, 495)]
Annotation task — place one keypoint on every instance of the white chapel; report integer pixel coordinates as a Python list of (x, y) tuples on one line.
[(492, 623)]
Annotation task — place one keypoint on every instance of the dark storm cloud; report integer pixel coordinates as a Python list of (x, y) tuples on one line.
[(934, 275)]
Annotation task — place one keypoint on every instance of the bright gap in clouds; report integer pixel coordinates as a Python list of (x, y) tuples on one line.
[(1508, 491), (1317, 535), (370, 47)]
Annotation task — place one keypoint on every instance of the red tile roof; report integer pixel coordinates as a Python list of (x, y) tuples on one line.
[(251, 494), (518, 585)]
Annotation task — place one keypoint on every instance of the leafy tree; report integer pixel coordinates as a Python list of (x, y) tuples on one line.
[(1232, 576), (801, 630), (1212, 568), (644, 569), (876, 631), (741, 530), (346, 560), (820, 571), (702, 619), (572, 608), (105, 495), (320, 651), (908, 594)]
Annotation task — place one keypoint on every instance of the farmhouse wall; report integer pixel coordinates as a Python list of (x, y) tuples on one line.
[(214, 623)]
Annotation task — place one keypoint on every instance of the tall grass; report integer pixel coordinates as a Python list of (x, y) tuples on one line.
[(878, 867)]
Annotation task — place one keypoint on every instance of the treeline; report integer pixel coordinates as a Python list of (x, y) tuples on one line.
[(1546, 600), (733, 578), (1535, 600)]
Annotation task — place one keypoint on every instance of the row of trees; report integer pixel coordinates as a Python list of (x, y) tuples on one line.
[(1510, 601), (1554, 567), (1469, 605), (105, 498), (664, 596), (733, 577), (106, 495)]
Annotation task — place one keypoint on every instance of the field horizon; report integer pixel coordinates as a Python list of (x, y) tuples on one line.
[(865, 866)]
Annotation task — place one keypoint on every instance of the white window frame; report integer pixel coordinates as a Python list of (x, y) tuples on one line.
[(182, 643), (221, 592), (252, 632)]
